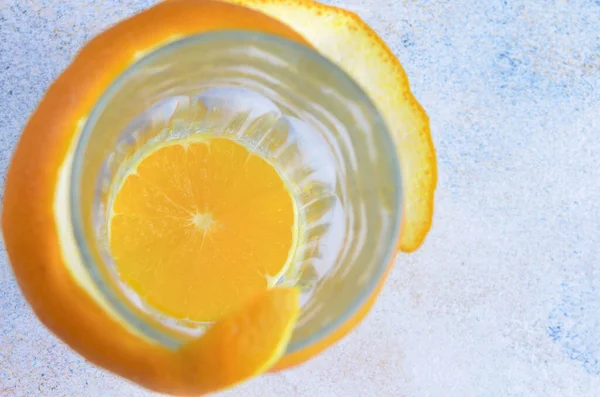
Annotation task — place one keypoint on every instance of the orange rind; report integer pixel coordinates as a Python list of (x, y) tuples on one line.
[(35, 216)]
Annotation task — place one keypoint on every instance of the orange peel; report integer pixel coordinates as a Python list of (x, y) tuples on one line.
[(31, 222)]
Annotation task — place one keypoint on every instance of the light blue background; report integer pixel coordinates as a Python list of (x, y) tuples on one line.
[(504, 297)]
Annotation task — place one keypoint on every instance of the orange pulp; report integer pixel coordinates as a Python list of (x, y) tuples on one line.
[(199, 226)]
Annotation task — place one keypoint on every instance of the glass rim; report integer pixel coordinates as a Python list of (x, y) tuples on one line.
[(248, 37)]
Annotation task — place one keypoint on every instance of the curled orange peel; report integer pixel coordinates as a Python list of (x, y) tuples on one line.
[(37, 233)]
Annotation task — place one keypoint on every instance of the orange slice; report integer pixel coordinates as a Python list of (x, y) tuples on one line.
[(199, 226)]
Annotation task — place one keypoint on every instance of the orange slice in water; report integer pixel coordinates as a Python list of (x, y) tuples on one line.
[(199, 226)]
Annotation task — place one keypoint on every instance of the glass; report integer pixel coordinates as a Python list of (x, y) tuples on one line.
[(284, 101)]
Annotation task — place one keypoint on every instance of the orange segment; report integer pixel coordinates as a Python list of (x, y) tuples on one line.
[(198, 227)]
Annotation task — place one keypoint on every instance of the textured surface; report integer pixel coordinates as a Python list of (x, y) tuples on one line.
[(504, 297)]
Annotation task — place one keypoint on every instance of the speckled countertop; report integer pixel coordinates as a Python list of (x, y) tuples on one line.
[(504, 297)]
